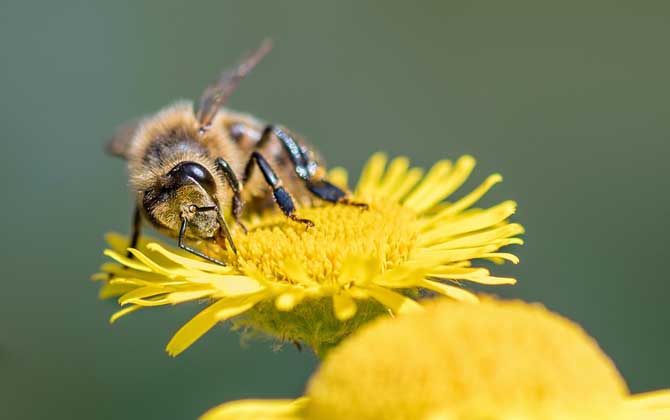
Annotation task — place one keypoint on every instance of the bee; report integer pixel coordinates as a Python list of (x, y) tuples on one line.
[(189, 165)]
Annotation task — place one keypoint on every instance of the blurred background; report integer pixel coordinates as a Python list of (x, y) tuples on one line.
[(568, 100)]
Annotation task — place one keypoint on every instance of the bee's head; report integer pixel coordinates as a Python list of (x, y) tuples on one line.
[(188, 192)]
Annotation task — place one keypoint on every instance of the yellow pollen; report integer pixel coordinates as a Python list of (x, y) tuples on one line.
[(385, 233)]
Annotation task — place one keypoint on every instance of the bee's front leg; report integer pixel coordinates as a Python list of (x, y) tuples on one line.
[(235, 185)]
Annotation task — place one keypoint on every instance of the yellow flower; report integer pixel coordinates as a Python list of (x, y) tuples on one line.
[(318, 285), (459, 361)]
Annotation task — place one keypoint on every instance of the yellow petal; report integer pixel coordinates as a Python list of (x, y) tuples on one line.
[(503, 256), (490, 280), (405, 275), (176, 298), (396, 172), (141, 293), (468, 200), (428, 183), (243, 303), (122, 259), (357, 270), (116, 271), (396, 302), (509, 241), (446, 187), (469, 223), (100, 276), (118, 242), (339, 177), (125, 311), (457, 272), (374, 169), (653, 399), (112, 290), (258, 409), (411, 179), (135, 281), (476, 275), (189, 263), (453, 292), (358, 293), (343, 306), (452, 255), (206, 319), (171, 272), (289, 299), (232, 285), (481, 238)]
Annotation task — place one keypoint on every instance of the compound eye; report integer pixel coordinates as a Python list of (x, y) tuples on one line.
[(186, 172)]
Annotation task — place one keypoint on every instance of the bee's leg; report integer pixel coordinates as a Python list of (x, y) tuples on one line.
[(135, 235), (305, 169), (234, 183), (281, 196), (182, 245), (331, 192), (298, 158)]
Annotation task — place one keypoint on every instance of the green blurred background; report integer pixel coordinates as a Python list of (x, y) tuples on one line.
[(568, 100)]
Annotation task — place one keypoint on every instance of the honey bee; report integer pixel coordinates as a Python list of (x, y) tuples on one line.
[(188, 166)]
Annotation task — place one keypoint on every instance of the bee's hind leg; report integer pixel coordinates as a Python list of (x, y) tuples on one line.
[(306, 169), (328, 191)]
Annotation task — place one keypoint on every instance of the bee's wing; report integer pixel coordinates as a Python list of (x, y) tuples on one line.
[(215, 96), (119, 143)]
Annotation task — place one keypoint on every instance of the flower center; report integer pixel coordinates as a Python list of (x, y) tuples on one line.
[(384, 233), (493, 360)]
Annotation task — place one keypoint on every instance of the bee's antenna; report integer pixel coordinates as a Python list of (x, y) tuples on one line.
[(217, 94)]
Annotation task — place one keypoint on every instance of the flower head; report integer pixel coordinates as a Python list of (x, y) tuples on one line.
[(318, 285), (459, 361)]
